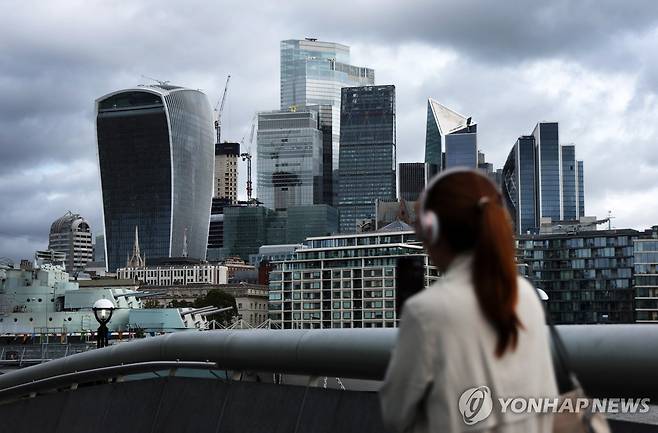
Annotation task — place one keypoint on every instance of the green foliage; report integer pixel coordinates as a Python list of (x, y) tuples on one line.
[(218, 299), (151, 303)]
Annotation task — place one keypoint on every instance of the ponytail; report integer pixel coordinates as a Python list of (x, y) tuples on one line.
[(494, 272)]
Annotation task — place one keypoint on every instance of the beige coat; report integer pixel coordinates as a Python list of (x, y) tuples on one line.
[(445, 346)]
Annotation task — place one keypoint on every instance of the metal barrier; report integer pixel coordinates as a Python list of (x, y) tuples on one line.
[(616, 360)]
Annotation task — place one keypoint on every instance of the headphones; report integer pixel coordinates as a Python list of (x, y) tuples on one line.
[(430, 228)]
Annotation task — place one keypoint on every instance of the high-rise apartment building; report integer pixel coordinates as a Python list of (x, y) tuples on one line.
[(70, 234), (542, 179), (226, 171), (367, 157), (646, 276), (344, 281), (450, 138), (156, 153), (290, 161), (588, 275), (312, 74), (413, 178)]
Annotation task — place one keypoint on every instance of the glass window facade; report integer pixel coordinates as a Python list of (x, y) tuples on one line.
[(581, 188), (548, 167), (461, 149), (155, 149), (313, 73), (433, 146), (646, 278), (569, 183), (413, 178), (367, 152), (519, 183), (290, 159), (588, 276)]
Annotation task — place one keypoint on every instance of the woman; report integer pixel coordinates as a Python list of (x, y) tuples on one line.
[(476, 335)]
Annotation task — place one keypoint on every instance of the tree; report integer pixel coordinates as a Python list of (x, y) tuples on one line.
[(219, 299)]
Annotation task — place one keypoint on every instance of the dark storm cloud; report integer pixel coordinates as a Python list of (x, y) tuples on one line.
[(488, 59)]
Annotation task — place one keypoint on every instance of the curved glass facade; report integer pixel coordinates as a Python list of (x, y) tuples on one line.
[(151, 179)]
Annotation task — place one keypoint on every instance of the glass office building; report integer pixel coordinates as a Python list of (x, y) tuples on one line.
[(548, 170), (588, 275), (290, 159), (156, 155), (569, 183), (313, 73), (450, 138), (581, 188), (542, 179), (367, 158), (519, 184), (413, 178), (344, 281)]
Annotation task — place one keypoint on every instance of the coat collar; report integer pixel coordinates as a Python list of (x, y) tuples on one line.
[(460, 266)]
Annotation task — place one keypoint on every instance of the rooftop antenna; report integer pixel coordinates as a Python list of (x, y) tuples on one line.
[(610, 217), (160, 82)]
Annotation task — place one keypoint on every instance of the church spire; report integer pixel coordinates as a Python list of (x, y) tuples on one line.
[(136, 260)]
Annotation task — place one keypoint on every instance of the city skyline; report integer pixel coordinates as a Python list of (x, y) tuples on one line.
[(47, 144)]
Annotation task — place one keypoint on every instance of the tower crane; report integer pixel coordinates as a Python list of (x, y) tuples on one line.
[(246, 156), (220, 104)]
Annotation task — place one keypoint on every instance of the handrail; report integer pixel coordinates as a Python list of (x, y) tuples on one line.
[(95, 374), (614, 360)]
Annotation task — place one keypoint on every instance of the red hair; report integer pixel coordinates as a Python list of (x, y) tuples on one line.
[(473, 219)]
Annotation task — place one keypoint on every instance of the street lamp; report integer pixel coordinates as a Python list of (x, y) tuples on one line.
[(102, 309)]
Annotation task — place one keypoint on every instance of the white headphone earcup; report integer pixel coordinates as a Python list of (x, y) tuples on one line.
[(430, 224)]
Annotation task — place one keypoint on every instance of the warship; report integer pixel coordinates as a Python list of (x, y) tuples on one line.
[(41, 299)]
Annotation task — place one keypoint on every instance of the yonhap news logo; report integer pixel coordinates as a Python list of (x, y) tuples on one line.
[(476, 404)]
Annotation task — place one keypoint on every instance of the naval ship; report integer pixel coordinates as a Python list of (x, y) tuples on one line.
[(42, 300)]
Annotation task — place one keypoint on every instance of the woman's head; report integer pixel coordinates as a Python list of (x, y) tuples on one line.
[(461, 211)]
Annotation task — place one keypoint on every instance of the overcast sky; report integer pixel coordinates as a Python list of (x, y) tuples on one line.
[(591, 65)]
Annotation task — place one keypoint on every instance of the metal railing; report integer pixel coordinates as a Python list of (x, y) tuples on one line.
[(615, 360)]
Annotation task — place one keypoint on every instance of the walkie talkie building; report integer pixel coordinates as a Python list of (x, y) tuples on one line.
[(156, 153)]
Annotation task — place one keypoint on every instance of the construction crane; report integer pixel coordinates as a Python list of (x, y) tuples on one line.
[(246, 156), (218, 116)]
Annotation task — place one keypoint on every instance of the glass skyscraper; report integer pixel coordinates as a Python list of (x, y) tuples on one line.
[(367, 157), (549, 202), (569, 183), (543, 179), (450, 138), (156, 154), (313, 73), (290, 160), (413, 178)]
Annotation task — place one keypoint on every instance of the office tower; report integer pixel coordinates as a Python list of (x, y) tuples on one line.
[(413, 178), (367, 157), (99, 249), (155, 150), (519, 184), (335, 283), (70, 234), (581, 188), (216, 230), (313, 73), (549, 198), (588, 274), (289, 159), (569, 182), (450, 138), (226, 170)]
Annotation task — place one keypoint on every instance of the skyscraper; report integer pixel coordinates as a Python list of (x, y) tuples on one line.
[(581, 188), (549, 200), (290, 163), (519, 184), (226, 170), (367, 157), (569, 182), (451, 133), (313, 73), (413, 178), (542, 179), (155, 151), (70, 234)]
